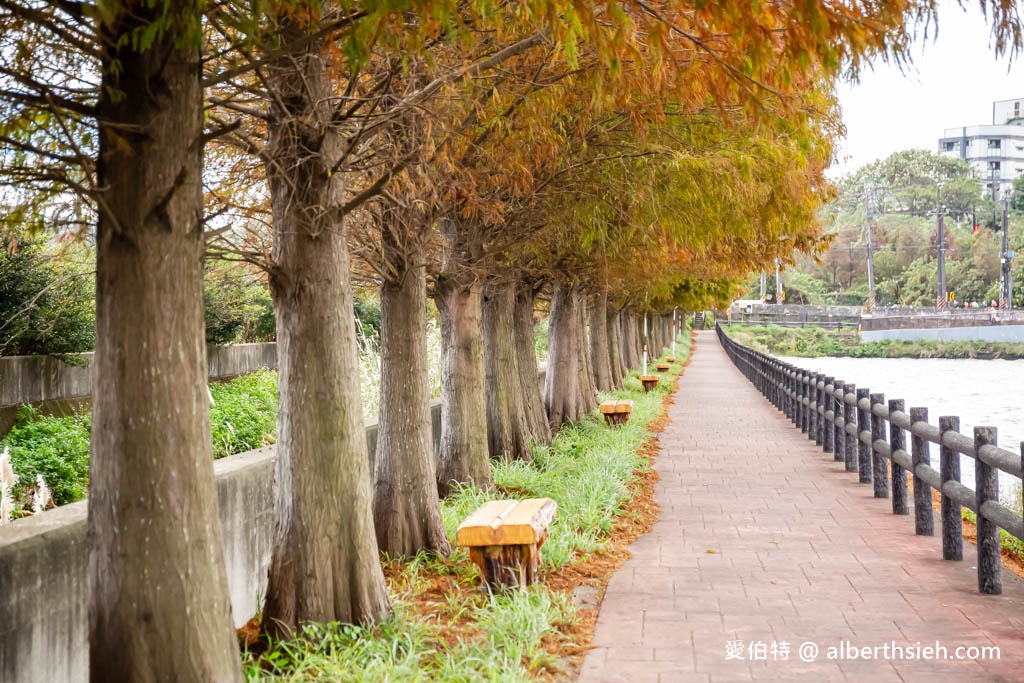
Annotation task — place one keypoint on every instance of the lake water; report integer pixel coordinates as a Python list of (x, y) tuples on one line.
[(980, 392)]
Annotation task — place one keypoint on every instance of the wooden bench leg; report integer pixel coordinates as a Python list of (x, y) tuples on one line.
[(507, 566)]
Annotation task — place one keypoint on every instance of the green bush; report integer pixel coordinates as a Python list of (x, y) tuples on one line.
[(55, 447), (367, 311), (46, 302), (243, 415), (236, 306)]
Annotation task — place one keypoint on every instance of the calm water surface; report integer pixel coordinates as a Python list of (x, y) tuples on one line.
[(981, 392)]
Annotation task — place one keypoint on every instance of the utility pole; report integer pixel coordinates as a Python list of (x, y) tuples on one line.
[(675, 329), (778, 281), (940, 297), (1005, 275), (869, 197)]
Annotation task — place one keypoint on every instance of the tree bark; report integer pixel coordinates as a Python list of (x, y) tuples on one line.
[(529, 372), (464, 456), (158, 598), (324, 563), (406, 508), (600, 352), (629, 339), (614, 334), (508, 428), (564, 396), (641, 338), (588, 389)]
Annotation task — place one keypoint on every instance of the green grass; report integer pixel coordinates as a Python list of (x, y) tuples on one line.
[(811, 342), (243, 416), (508, 630), (587, 470), (55, 447)]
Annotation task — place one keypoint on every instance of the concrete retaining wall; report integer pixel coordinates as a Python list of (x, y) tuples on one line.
[(990, 333), (44, 576), (795, 315), (55, 385)]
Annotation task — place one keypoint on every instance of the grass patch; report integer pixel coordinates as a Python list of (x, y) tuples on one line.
[(812, 342), (444, 627), (243, 416)]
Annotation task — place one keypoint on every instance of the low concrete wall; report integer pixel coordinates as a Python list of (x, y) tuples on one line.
[(57, 386), (794, 315), (990, 333), (953, 319), (44, 576)]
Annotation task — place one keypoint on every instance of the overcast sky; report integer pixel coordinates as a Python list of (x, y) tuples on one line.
[(952, 82)]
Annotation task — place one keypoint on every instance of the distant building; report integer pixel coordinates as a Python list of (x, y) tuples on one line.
[(996, 152)]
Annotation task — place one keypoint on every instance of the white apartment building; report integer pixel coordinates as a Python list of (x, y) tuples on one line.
[(996, 151)]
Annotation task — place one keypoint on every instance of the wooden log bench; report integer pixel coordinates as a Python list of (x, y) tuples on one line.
[(616, 413), (649, 381), (504, 538), (671, 359), (662, 367)]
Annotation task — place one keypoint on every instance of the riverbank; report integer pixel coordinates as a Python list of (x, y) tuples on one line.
[(815, 342)]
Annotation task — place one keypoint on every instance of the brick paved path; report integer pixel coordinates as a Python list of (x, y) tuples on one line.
[(763, 538)]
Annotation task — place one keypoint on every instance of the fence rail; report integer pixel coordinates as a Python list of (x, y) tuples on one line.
[(852, 423), (765, 322)]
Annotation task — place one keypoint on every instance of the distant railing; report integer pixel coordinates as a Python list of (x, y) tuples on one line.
[(851, 423), (825, 324)]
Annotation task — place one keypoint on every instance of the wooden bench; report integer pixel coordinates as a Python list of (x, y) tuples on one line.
[(616, 413), (662, 367), (504, 538), (671, 359), (649, 381)]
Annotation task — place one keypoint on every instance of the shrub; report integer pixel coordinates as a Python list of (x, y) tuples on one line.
[(46, 302), (236, 306), (243, 415), (55, 447)]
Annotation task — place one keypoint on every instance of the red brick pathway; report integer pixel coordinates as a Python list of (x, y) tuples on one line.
[(766, 540)]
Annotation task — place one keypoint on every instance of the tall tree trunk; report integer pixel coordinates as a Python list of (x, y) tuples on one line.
[(616, 364), (158, 599), (642, 332), (588, 389), (625, 339), (508, 429), (464, 456), (324, 564), (563, 395), (599, 347), (526, 356), (406, 508), (630, 339)]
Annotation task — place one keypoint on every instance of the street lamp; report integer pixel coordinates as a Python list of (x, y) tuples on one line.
[(1005, 258), (940, 251), (872, 194)]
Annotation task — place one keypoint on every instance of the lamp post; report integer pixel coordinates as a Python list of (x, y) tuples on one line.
[(778, 281), (1005, 257), (940, 296), (871, 190)]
